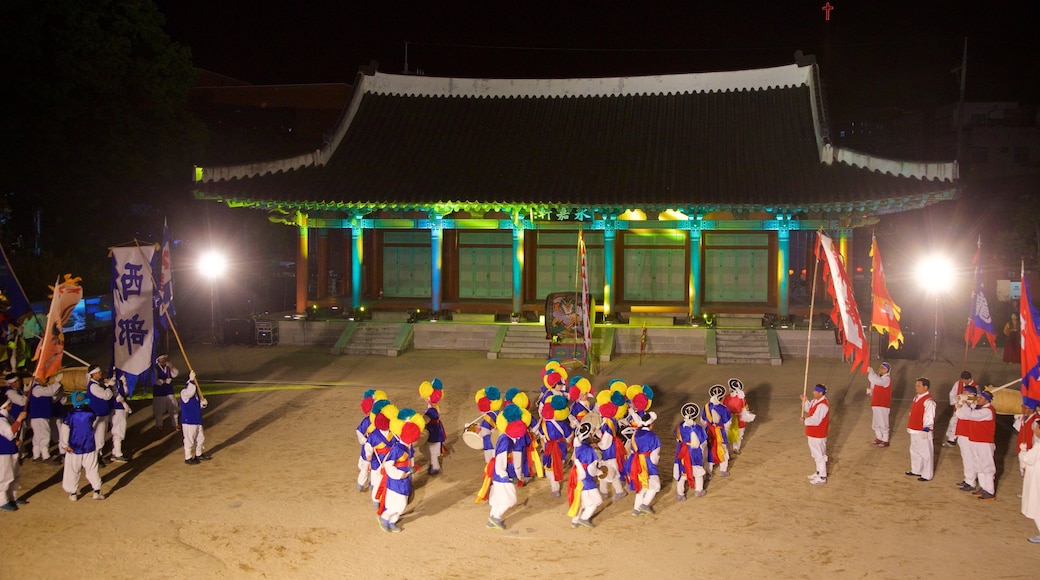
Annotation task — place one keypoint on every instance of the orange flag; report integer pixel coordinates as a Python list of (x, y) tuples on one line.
[(49, 352), (885, 315)]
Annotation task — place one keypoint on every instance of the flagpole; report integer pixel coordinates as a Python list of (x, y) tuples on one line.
[(35, 316), (812, 306), (163, 308), (971, 306)]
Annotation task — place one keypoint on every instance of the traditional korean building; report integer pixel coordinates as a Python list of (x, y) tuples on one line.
[(695, 193)]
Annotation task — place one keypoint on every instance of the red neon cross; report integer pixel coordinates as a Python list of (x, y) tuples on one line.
[(827, 11)]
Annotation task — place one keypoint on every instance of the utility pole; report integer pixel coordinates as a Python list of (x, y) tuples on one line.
[(960, 103)]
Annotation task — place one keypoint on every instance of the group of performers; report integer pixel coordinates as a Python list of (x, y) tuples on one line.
[(607, 440), (602, 444), (388, 436), (81, 423)]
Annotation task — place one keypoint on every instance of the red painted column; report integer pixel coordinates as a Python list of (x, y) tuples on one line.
[(301, 265), (322, 251)]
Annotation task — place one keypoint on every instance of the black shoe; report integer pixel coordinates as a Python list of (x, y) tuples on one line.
[(204, 457), (912, 474), (192, 461), (922, 479)]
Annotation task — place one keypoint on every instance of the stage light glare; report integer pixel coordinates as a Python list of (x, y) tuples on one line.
[(935, 274), (212, 264)]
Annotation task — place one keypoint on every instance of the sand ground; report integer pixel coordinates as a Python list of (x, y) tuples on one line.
[(278, 500)]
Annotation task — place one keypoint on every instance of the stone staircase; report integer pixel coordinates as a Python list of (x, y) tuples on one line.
[(373, 338), (524, 341), (746, 346)]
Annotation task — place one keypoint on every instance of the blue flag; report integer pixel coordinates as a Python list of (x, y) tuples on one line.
[(981, 322), (18, 308), (165, 307)]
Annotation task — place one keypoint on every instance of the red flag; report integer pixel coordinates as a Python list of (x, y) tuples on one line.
[(1030, 345), (49, 353), (845, 313), (885, 315)]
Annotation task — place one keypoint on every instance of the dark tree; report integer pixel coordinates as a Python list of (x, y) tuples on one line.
[(95, 138)]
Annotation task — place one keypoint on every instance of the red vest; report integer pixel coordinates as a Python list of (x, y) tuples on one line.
[(819, 431), (881, 396), (916, 421), (1025, 433), (983, 431), (964, 427)]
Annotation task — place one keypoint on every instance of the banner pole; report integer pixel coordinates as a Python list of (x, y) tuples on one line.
[(812, 307)]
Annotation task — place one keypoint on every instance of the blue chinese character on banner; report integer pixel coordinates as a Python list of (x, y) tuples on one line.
[(582, 214), (131, 333), (131, 280), (563, 213)]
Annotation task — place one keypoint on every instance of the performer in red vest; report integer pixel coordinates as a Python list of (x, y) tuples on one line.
[(956, 392), (880, 391), (817, 423), (980, 445), (920, 426)]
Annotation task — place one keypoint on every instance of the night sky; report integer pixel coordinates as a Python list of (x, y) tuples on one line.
[(872, 52)]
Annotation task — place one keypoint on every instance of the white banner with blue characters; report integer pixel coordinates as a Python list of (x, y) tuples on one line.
[(133, 296)]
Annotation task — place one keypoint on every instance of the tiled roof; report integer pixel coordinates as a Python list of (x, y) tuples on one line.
[(747, 138)]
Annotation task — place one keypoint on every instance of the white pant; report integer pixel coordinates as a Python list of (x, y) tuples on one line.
[(118, 431), (101, 433), (922, 453), (10, 475), (612, 477), (375, 479), (982, 462), (590, 500), (363, 468), (74, 463), (164, 405), (63, 437), (394, 505), (435, 456), (967, 460), (646, 495), (818, 448), (879, 422), (193, 440), (680, 480), (501, 497), (41, 439), (951, 430)]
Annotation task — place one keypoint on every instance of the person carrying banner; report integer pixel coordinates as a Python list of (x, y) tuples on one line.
[(920, 427), (880, 392), (1029, 460), (120, 412), (980, 445), (15, 392), (41, 415), (956, 393), (192, 404), (100, 397), (817, 423), (163, 402), (81, 454), (10, 469)]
